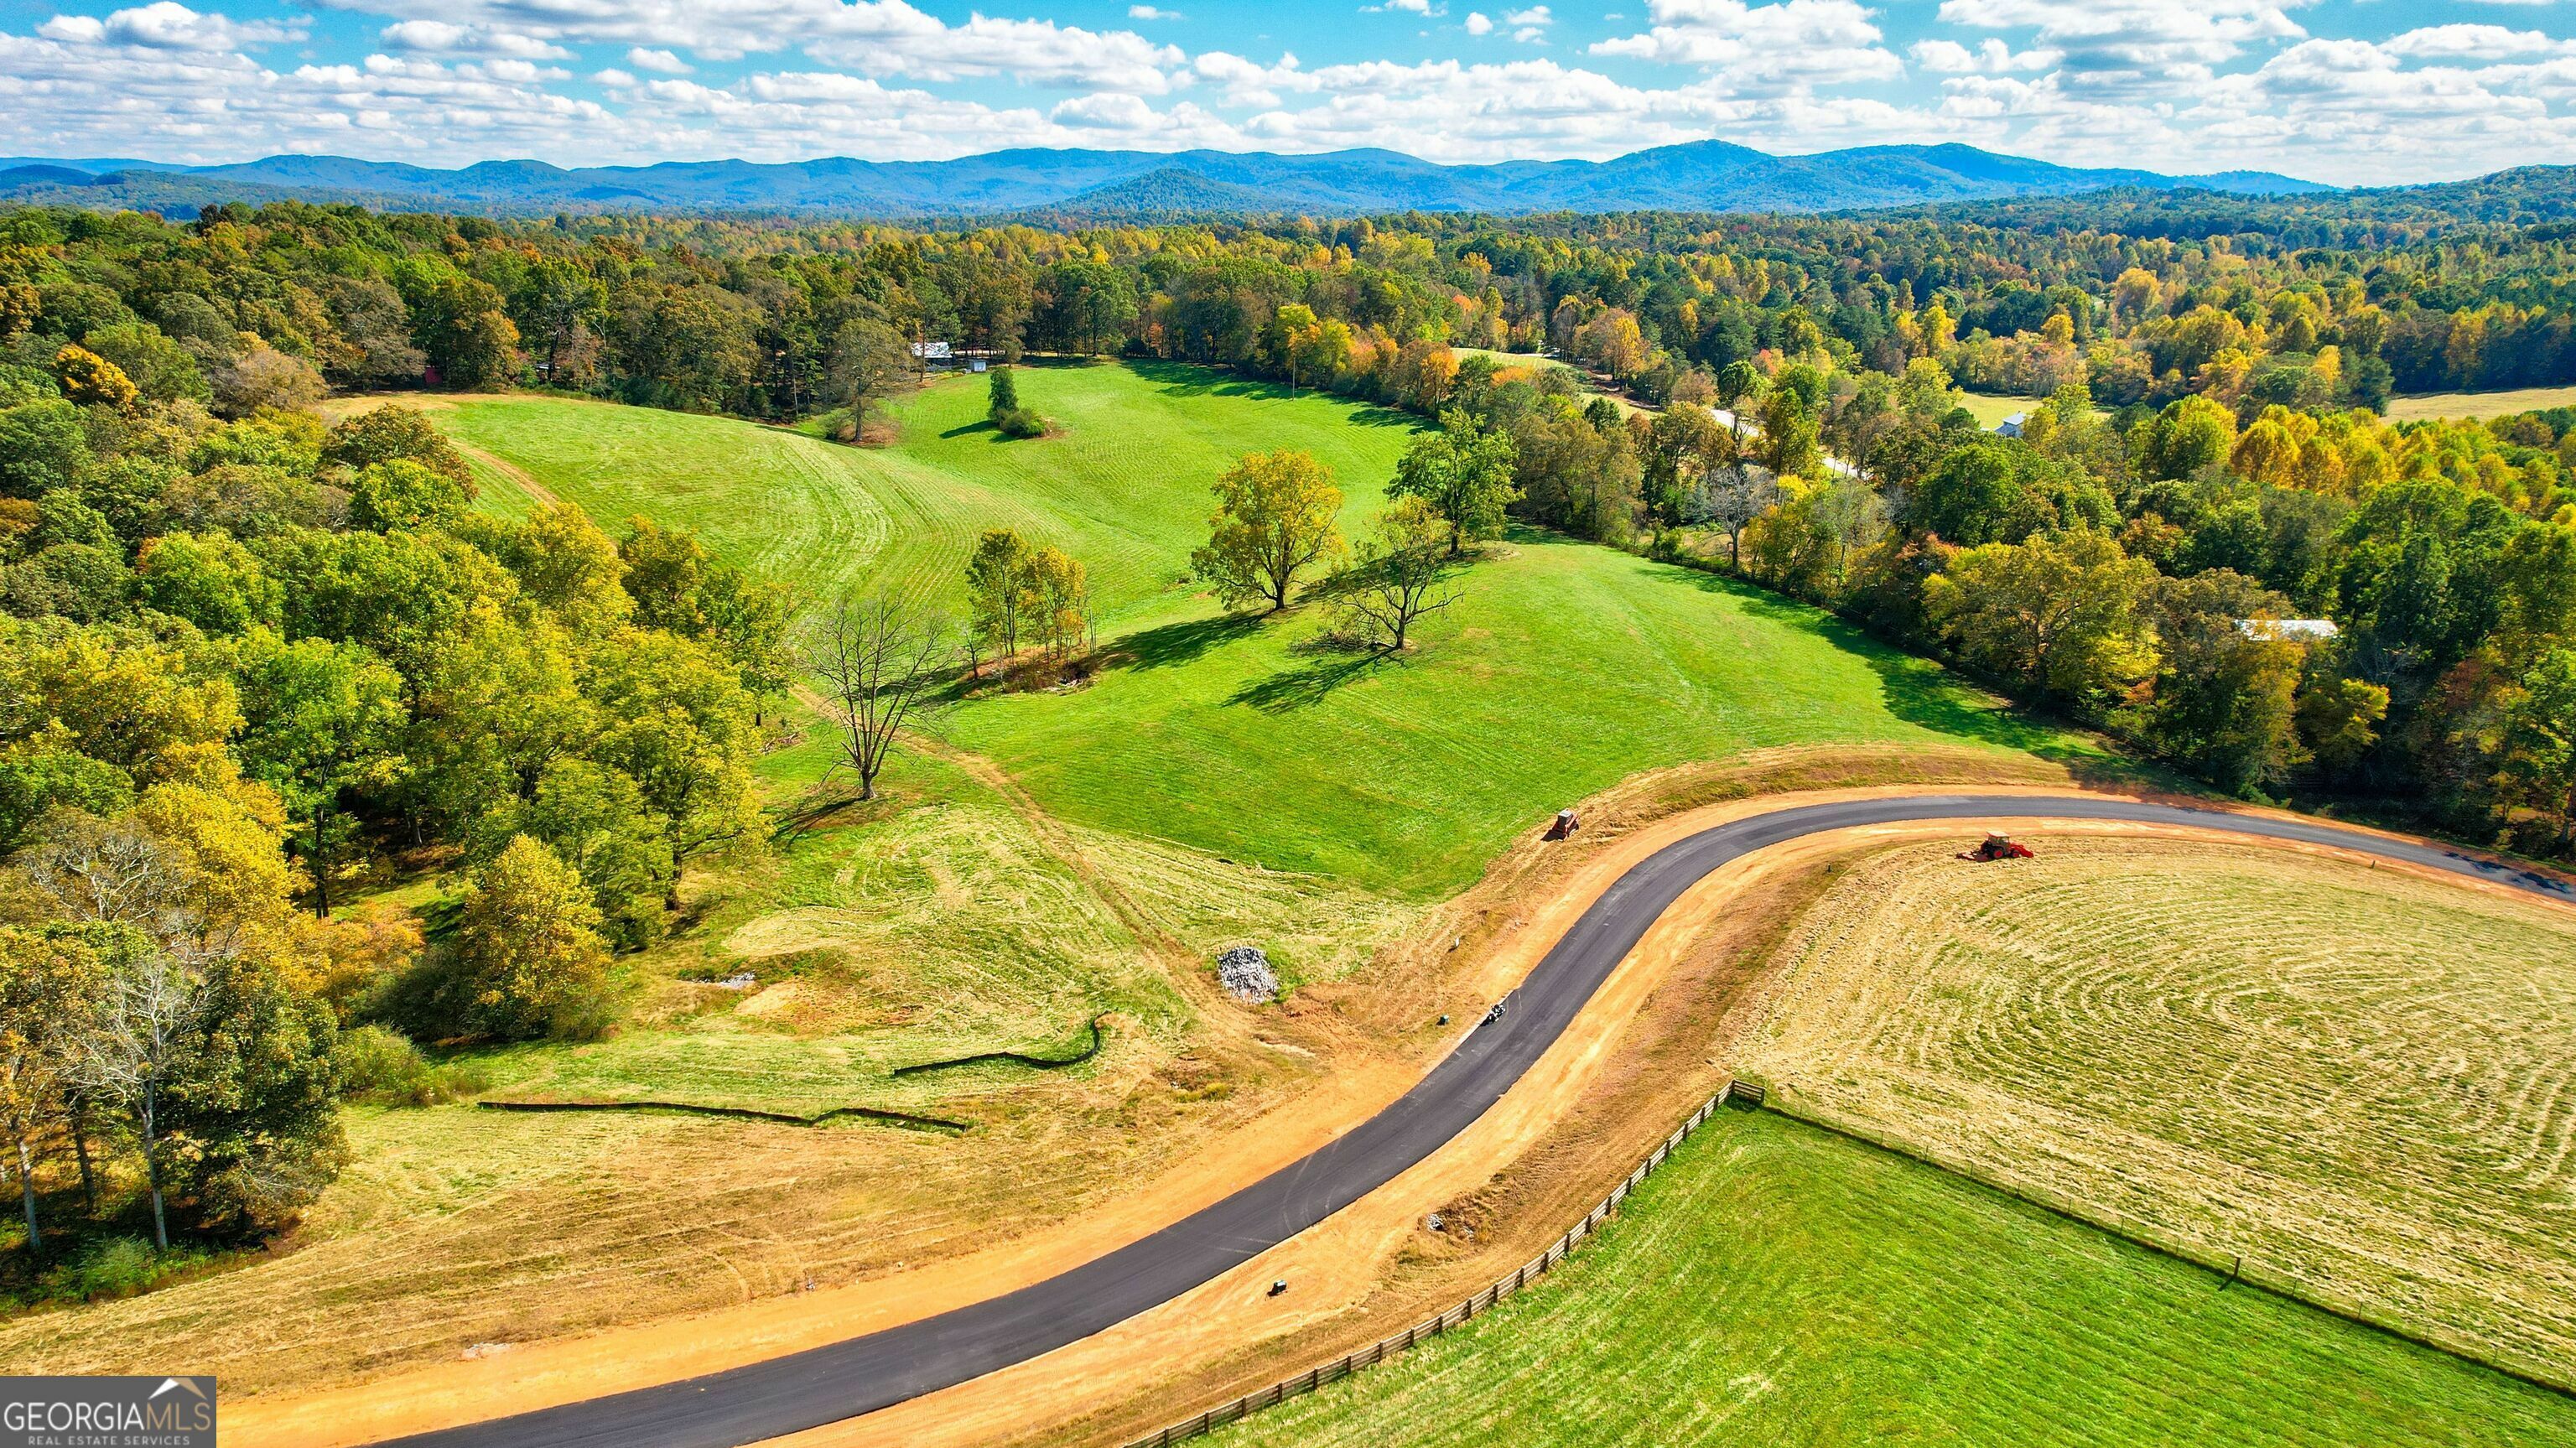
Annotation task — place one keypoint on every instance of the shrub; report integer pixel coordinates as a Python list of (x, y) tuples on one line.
[(112, 1267), (1020, 422), (382, 1066)]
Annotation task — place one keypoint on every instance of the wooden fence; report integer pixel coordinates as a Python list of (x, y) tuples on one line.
[(1481, 1301)]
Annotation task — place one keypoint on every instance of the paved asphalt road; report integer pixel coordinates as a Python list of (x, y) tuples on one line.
[(826, 1384)]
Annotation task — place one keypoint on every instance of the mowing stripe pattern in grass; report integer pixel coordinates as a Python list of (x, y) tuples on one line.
[(1779, 1285), (2362, 1082)]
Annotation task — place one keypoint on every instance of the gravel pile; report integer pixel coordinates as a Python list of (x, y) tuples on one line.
[(1246, 975)]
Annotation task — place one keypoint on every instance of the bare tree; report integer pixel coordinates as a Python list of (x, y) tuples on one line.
[(114, 872), (1731, 498), (1397, 578), (132, 1051), (881, 663)]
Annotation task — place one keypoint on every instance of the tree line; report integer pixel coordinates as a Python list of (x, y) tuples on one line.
[(2304, 305), (253, 661)]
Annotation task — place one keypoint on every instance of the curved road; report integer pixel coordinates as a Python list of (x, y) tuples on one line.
[(827, 1384)]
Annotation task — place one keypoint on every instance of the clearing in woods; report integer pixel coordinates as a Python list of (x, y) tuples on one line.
[(2479, 405), (1778, 1284), (1122, 484), (2361, 1081)]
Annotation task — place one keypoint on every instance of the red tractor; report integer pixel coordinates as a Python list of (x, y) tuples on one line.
[(1999, 847)]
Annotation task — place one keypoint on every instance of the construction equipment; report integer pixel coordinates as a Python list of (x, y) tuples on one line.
[(1999, 847), (1566, 824)]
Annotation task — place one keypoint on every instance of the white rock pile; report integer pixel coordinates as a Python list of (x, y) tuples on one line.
[(1246, 975)]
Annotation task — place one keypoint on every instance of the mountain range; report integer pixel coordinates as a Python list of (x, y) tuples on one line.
[(1699, 176)]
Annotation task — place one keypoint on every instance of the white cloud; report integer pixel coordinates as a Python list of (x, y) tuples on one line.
[(1478, 24), (1148, 12), (1792, 44), (166, 25), (656, 60), (437, 37), (1535, 15), (873, 37), (2127, 46), (1107, 111), (2471, 42), (1993, 57)]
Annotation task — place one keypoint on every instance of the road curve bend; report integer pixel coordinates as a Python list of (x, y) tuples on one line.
[(822, 1385)]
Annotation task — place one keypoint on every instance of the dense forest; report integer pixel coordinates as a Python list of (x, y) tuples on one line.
[(247, 653)]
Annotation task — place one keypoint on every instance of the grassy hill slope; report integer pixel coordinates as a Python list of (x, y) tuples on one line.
[(1122, 485), (1562, 668)]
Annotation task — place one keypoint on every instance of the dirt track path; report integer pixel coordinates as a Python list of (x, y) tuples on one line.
[(538, 493)]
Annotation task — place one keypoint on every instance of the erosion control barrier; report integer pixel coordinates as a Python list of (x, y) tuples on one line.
[(1016, 1058), (741, 1113), (1481, 1301)]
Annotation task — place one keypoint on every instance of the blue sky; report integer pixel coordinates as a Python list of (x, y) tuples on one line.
[(2378, 92)]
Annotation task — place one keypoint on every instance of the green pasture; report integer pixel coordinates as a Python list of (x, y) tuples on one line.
[(1122, 484), (1780, 1285), (1560, 669)]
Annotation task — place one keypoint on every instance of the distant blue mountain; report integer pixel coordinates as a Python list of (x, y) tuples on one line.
[(1700, 176)]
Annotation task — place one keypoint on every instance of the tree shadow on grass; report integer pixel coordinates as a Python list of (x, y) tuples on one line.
[(1923, 693), (1179, 643), (965, 429), (1188, 379), (1290, 690)]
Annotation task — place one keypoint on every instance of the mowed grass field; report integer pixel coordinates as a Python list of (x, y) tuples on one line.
[(2361, 1081), (1562, 668), (2480, 405), (1990, 408), (1121, 485), (1777, 1284)]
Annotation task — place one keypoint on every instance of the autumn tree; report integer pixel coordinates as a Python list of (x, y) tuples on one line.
[(47, 980), (2540, 741), (1061, 589), (999, 591), (1729, 499), (529, 955), (1275, 518), (134, 1049), (869, 360), (2226, 684), (673, 716), (2063, 616), (89, 378), (1397, 576), (1463, 472), (318, 719)]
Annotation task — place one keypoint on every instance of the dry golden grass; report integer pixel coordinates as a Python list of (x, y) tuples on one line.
[(2361, 1081), (942, 926), (455, 1227)]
